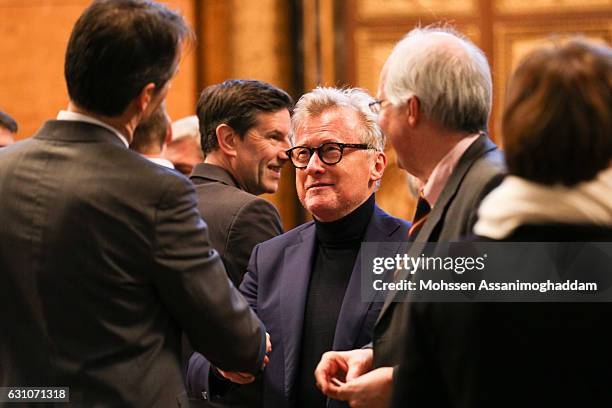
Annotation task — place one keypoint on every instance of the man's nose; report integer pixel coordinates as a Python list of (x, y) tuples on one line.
[(315, 165), (282, 152)]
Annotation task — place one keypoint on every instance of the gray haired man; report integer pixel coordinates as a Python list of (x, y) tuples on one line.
[(434, 101)]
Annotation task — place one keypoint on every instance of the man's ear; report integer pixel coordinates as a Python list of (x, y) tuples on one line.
[(168, 137), (144, 98), (413, 111), (169, 133), (227, 138), (378, 167)]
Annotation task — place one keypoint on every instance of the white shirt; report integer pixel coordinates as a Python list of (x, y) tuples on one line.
[(79, 117), (161, 161)]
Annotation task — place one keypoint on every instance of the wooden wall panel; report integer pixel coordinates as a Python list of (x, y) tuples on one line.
[(515, 39), (551, 6), (250, 40), (33, 38), (183, 95), (414, 8), (504, 29)]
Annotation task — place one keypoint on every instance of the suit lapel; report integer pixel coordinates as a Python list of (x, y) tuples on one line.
[(297, 266), (354, 310), (481, 146)]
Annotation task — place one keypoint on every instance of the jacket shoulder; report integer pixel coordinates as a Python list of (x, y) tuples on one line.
[(288, 238)]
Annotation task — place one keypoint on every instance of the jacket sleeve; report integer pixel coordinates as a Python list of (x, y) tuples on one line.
[(191, 280), (249, 285), (257, 221), (199, 376)]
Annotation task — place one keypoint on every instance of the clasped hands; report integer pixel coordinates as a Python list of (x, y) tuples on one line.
[(246, 378), (348, 376), (342, 375)]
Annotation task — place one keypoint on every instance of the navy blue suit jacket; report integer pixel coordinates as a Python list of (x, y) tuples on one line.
[(276, 286)]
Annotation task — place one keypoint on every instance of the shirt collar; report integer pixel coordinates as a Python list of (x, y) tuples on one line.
[(68, 115), (443, 170), (162, 162)]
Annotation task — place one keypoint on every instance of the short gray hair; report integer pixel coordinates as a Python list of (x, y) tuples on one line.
[(453, 83), (322, 99)]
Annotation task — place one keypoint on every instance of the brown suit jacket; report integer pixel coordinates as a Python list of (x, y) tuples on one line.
[(237, 220), (104, 259)]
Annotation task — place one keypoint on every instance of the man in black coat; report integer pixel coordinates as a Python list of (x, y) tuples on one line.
[(104, 258)]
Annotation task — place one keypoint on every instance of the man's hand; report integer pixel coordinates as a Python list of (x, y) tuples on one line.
[(341, 365), (371, 390), (246, 378), (268, 350), (237, 377)]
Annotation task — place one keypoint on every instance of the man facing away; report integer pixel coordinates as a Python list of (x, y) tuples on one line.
[(104, 258), (152, 135), (434, 104), (184, 151), (305, 284)]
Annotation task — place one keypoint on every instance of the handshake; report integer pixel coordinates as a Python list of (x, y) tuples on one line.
[(246, 378), (341, 375)]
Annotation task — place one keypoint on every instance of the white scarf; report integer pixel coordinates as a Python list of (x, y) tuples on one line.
[(518, 201)]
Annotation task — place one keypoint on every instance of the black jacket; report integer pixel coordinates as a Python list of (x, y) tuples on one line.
[(477, 355)]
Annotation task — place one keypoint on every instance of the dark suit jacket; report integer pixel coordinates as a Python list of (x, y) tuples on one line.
[(104, 258), (237, 220), (276, 286), (479, 171), (481, 355)]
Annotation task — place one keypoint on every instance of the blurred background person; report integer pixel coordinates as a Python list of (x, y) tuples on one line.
[(152, 135), (8, 128), (557, 133), (184, 151)]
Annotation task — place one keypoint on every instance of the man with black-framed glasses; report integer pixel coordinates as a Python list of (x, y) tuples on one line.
[(305, 284)]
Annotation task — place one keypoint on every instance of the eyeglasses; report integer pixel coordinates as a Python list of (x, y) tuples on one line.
[(377, 105), (329, 153)]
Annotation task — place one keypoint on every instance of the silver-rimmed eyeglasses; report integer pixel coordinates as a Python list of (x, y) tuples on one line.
[(377, 105)]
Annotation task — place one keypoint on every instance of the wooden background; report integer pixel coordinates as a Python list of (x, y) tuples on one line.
[(293, 44)]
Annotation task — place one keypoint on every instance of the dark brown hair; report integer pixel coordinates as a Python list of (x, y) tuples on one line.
[(557, 122), (150, 134), (116, 48), (236, 103)]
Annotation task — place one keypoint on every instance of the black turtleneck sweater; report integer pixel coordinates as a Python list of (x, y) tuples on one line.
[(338, 243)]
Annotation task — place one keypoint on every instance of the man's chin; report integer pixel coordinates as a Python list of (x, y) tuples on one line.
[(269, 188), (322, 210)]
